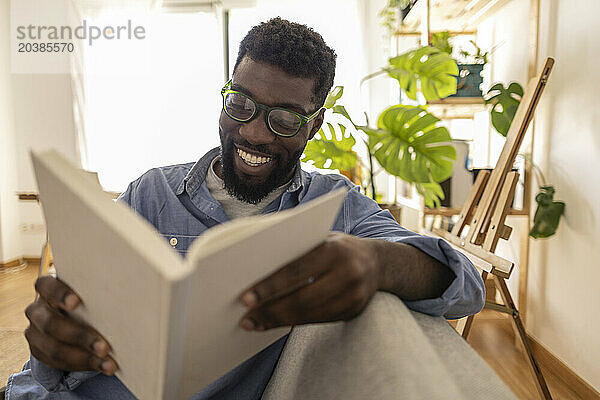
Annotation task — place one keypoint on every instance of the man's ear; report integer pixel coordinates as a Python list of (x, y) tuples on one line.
[(317, 122)]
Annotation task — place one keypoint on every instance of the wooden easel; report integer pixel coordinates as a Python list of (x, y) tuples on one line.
[(485, 212)]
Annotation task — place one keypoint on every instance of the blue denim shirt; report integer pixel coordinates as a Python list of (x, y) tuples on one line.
[(155, 197)]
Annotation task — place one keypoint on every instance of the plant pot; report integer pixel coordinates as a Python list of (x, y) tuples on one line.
[(469, 80), (394, 209)]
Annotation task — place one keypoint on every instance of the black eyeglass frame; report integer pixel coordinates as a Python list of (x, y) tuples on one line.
[(258, 106)]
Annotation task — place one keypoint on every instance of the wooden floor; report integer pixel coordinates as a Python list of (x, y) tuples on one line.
[(16, 292), (491, 336)]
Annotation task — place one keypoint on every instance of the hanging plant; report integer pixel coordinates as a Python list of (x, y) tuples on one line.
[(392, 14), (547, 215), (548, 211)]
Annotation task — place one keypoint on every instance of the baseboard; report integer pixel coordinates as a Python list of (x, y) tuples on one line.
[(12, 263), (20, 261), (33, 260), (560, 369)]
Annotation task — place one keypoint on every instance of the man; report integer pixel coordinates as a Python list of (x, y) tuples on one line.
[(271, 108)]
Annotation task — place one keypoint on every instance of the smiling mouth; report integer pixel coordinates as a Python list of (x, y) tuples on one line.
[(252, 159)]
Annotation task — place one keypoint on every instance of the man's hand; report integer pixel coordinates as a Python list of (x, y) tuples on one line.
[(58, 340), (333, 282)]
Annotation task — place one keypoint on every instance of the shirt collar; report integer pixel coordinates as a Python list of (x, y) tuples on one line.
[(197, 175)]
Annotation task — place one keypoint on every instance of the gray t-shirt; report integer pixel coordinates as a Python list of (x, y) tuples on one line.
[(233, 207)]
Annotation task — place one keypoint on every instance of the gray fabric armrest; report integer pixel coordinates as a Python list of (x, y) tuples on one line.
[(388, 352)]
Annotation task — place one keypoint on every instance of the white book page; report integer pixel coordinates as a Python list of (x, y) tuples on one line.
[(214, 342), (116, 262)]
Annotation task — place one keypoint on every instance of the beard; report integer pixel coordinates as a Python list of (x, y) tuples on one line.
[(246, 188)]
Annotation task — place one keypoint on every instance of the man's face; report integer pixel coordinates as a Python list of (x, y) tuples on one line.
[(270, 86)]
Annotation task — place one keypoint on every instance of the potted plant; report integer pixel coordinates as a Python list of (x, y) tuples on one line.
[(469, 72), (394, 12)]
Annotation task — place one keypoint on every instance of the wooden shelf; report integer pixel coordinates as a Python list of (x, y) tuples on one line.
[(457, 107), (459, 101), (455, 16), (450, 211)]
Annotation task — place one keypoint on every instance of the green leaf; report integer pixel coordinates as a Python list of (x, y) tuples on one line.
[(320, 150), (432, 194), (333, 96), (410, 145), (441, 41), (342, 111), (547, 215), (433, 69), (505, 102)]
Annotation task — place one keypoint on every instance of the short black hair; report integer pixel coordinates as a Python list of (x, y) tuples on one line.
[(296, 49)]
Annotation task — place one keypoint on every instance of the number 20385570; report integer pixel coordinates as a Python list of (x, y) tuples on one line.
[(45, 47)]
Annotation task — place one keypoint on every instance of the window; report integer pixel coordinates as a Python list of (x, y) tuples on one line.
[(158, 106)]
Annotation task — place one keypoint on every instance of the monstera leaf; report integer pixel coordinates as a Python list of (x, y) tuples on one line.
[(432, 193), (505, 103), (435, 70), (331, 153), (410, 145), (333, 96)]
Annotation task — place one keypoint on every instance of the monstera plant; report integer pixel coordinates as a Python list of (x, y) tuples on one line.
[(407, 143), (505, 102), (331, 152), (426, 69), (435, 70)]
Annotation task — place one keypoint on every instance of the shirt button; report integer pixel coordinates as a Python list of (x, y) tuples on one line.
[(173, 241)]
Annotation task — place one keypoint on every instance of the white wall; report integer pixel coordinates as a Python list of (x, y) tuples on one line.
[(9, 212), (564, 270), (35, 113), (505, 36), (43, 119)]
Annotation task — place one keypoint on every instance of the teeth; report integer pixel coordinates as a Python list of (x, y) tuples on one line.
[(252, 159)]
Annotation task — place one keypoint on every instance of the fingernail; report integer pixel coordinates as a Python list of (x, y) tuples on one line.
[(101, 348), (249, 299), (247, 324), (108, 367), (71, 301)]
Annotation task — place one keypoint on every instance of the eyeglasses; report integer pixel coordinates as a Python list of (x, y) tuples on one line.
[(281, 121)]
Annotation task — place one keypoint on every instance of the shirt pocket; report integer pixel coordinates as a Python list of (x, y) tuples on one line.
[(180, 243)]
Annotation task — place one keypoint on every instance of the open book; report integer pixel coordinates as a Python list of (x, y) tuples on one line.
[(172, 322)]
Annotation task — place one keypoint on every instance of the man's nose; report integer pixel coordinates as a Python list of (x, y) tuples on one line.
[(257, 131)]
